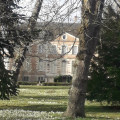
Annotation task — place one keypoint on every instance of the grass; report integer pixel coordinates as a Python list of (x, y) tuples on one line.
[(48, 103)]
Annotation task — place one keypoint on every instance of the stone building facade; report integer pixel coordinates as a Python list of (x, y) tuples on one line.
[(46, 61)]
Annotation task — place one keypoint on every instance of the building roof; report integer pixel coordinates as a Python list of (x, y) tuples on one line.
[(57, 28)]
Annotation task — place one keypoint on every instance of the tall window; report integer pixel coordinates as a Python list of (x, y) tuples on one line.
[(27, 64), (74, 50), (29, 49), (41, 65), (53, 67), (73, 67), (64, 49), (41, 48), (53, 49), (63, 67)]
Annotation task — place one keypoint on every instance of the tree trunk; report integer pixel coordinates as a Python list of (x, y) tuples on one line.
[(89, 35), (31, 26)]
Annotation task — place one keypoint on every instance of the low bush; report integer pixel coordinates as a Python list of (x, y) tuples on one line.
[(56, 84), (26, 83), (63, 78)]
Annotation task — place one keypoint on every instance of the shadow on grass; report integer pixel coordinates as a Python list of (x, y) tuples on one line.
[(92, 118), (93, 110), (41, 107), (54, 108), (100, 109), (43, 87), (61, 98)]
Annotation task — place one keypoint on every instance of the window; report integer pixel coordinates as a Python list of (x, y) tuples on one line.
[(41, 79), (27, 64), (41, 48), (25, 78), (73, 67), (41, 65), (64, 49), (64, 67), (64, 37), (74, 50), (53, 67), (53, 49), (29, 49)]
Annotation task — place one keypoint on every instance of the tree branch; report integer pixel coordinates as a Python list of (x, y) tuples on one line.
[(117, 3)]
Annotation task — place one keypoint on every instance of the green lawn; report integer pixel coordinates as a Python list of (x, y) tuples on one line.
[(48, 103)]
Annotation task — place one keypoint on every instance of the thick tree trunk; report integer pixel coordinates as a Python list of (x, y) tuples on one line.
[(90, 28), (31, 26)]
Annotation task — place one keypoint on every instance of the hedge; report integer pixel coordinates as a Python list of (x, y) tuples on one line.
[(27, 83), (56, 84)]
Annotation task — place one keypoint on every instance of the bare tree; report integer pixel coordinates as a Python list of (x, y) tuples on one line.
[(118, 3), (90, 28), (30, 29)]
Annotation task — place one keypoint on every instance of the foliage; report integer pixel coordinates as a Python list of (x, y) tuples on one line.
[(8, 21), (104, 84), (7, 86), (8, 40)]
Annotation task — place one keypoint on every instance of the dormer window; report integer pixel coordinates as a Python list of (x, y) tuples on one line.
[(64, 37)]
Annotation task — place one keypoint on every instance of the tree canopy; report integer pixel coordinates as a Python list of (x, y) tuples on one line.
[(8, 40), (104, 84)]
